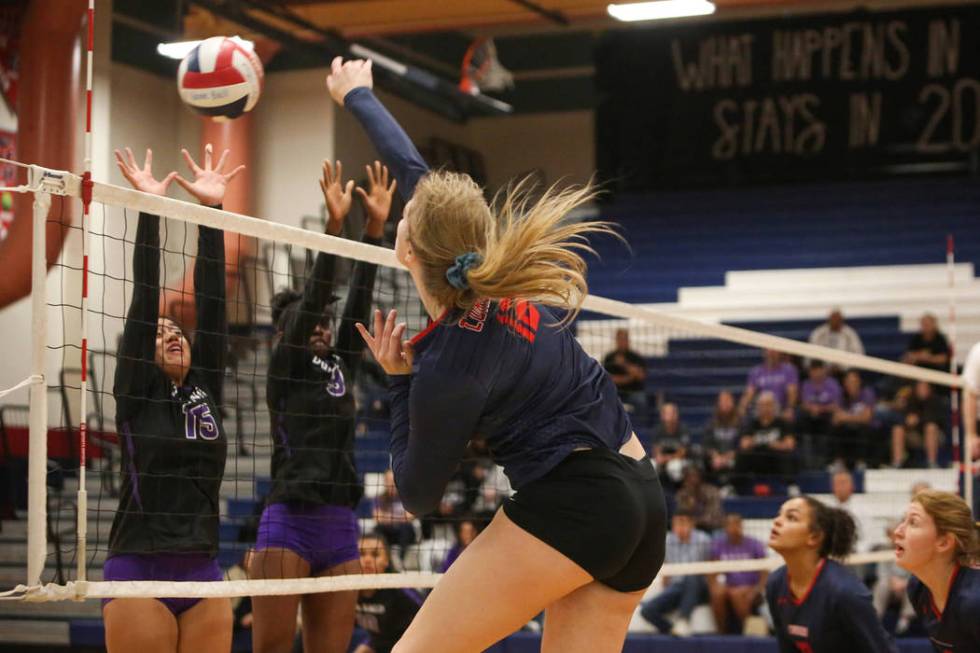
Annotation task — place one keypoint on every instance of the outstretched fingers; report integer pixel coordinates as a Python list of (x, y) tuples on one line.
[(231, 175), (196, 169)]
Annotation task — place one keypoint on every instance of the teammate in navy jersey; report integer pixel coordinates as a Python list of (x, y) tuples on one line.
[(817, 605), (383, 614), (938, 543), (168, 393), (583, 536), (308, 526)]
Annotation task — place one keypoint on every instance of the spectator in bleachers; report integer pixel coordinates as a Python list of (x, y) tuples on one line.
[(774, 375), (850, 439), (720, 439), (821, 398), (929, 347), (671, 441), (465, 532), (921, 428), (836, 334), (383, 614), (699, 499), (890, 588), (683, 593), (628, 371), (767, 446), (740, 592), (391, 519), (842, 486), (494, 488)]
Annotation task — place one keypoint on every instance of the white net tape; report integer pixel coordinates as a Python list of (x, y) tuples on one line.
[(62, 183)]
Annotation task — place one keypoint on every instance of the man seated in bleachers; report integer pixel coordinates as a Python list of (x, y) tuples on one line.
[(850, 443), (767, 447), (868, 523), (775, 375), (890, 588), (821, 397), (736, 593), (836, 334), (683, 593), (671, 443), (929, 347), (720, 439), (702, 500), (922, 426), (628, 371), (392, 521)]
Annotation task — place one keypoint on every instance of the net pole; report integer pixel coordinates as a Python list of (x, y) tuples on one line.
[(82, 499), (961, 451), (37, 457)]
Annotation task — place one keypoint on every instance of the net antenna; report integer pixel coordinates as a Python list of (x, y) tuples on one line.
[(482, 70)]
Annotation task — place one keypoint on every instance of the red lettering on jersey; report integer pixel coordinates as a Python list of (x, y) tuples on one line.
[(476, 316), (522, 316), (804, 647)]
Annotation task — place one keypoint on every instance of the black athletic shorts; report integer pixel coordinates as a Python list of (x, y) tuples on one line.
[(602, 510)]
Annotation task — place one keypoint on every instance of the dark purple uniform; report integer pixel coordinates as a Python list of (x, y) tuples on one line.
[(957, 628), (835, 615)]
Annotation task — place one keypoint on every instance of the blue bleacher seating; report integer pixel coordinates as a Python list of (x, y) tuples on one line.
[(692, 238)]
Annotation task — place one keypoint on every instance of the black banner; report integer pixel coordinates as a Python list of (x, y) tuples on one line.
[(818, 97)]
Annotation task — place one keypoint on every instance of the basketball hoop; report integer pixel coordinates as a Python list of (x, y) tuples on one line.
[(482, 70)]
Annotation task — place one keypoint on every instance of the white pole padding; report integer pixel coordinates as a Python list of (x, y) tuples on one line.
[(37, 457)]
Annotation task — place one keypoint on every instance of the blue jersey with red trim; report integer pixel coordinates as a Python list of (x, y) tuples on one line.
[(835, 615), (504, 371), (957, 628)]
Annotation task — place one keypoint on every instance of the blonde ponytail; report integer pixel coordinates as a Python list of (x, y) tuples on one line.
[(528, 250)]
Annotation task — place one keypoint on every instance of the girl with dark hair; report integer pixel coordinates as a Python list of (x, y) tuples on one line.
[(939, 544), (168, 391), (817, 605), (308, 526)]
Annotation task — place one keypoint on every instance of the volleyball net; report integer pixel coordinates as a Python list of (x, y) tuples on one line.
[(720, 450)]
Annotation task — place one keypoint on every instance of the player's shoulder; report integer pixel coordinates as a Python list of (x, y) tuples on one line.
[(968, 592), (776, 580)]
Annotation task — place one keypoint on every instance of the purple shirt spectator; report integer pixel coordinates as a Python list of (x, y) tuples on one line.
[(774, 379), (748, 548), (866, 400), (451, 557), (826, 392)]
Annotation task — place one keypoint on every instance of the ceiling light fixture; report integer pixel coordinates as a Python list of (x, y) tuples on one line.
[(636, 11), (180, 49)]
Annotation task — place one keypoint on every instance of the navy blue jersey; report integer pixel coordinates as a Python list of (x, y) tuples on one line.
[(957, 628), (503, 371), (311, 399), (386, 615), (835, 615), (171, 437)]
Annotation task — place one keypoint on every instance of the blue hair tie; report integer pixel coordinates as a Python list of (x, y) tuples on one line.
[(456, 273)]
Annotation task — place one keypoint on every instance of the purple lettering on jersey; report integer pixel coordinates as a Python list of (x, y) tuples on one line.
[(199, 422), (336, 386)]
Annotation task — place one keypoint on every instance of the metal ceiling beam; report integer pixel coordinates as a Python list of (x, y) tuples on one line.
[(551, 14)]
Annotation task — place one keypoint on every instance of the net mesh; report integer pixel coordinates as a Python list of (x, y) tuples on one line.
[(736, 417)]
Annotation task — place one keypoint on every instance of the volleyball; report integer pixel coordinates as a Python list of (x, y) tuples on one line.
[(221, 77)]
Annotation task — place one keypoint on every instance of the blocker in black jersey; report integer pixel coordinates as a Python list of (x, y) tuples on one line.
[(311, 398), (957, 628), (834, 616), (385, 615), (172, 440)]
